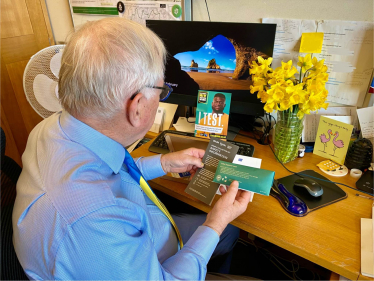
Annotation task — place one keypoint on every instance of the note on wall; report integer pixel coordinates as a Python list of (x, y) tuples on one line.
[(366, 118), (347, 49), (311, 121), (332, 139), (288, 38)]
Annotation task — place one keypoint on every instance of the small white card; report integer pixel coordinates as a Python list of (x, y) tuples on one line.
[(159, 120), (245, 161)]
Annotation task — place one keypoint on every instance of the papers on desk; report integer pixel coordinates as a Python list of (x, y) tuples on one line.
[(170, 110), (367, 243), (183, 125), (347, 49), (311, 121)]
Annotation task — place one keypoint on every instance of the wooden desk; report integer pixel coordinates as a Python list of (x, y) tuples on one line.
[(329, 237)]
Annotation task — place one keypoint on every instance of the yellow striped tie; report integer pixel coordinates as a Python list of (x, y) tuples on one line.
[(137, 176)]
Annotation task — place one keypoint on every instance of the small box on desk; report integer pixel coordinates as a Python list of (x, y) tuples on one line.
[(159, 120)]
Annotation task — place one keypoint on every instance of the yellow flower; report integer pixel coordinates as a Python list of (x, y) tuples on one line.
[(266, 62), (269, 107), (263, 96), (305, 63), (317, 64), (287, 70), (300, 114), (284, 104), (258, 84), (280, 90)]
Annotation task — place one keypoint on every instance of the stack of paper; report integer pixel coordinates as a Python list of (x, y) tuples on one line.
[(183, 125), (367, 242), (346, 114)]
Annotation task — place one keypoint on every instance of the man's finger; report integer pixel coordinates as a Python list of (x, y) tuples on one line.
[(222, 189), (190, 160), (232, 191), (244, 196), (199, 153)]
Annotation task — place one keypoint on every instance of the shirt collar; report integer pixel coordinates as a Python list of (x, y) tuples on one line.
[(107, 149)]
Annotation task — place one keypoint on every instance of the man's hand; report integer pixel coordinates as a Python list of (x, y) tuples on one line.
[(187, 160), (231, 205)]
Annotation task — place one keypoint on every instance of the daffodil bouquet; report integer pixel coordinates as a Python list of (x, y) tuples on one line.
[(280, 90)]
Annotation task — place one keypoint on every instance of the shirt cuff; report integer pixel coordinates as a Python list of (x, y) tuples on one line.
[(150, 166), (204, 241)]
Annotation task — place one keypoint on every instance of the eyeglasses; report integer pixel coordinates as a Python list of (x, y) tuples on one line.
[(165, 93)]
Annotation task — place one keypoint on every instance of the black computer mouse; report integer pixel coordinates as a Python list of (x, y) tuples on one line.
[(313, 187)]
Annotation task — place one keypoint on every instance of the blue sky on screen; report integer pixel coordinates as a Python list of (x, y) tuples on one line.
[(219, 48)]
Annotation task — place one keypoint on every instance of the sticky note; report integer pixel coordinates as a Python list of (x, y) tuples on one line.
[(311, 42)]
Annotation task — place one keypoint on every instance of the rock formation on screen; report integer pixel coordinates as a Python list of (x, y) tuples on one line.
[(212, 64), (194, 64), (244, 56)]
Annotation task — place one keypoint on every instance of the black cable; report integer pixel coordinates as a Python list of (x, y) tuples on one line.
[(206, 3), (305, 175)]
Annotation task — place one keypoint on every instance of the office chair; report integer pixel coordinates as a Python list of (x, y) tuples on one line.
[(10, 171)]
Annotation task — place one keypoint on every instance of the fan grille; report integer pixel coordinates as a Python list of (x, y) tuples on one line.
[(39, 64)]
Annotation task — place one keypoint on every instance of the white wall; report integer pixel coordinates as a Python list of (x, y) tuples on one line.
[(60, 17), (254, 10), (242, 11)]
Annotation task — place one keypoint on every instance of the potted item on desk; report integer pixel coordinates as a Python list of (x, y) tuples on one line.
[(291, 97)]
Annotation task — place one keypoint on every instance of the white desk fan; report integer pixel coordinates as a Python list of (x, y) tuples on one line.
[(40, 80)]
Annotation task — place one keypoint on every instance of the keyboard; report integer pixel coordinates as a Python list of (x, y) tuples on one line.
[(160, 146)]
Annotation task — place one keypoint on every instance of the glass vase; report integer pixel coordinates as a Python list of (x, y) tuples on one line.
[(287, 136)]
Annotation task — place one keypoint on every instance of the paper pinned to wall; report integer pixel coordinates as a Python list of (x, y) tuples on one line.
[(347, 49), (90, 10), (288, 38), (311, 121), (366, 118), (348, 53), (140, 11)]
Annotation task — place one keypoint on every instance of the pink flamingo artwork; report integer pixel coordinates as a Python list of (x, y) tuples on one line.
[(325, 140), (337, 143)]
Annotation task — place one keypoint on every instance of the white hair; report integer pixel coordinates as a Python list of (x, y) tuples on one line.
[(107, 61)]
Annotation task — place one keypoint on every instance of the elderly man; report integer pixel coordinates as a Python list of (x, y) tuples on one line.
[(82, 211)]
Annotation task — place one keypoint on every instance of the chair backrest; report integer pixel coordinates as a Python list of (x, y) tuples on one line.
[(10, 171)]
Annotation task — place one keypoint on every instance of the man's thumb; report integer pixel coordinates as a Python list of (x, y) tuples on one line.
[(232, 191)]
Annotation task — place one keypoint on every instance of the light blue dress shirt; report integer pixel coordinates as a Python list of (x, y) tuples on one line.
[(79, 214)]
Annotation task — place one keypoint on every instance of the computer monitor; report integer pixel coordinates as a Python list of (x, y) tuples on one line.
[(214, 56)]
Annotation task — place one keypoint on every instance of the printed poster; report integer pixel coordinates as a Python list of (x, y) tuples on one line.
[(212, 114), (90, 10)]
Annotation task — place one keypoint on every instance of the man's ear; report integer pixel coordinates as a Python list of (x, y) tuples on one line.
[(134, 110)]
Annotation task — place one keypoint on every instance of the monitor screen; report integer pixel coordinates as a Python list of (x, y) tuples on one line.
[(214, 56)]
